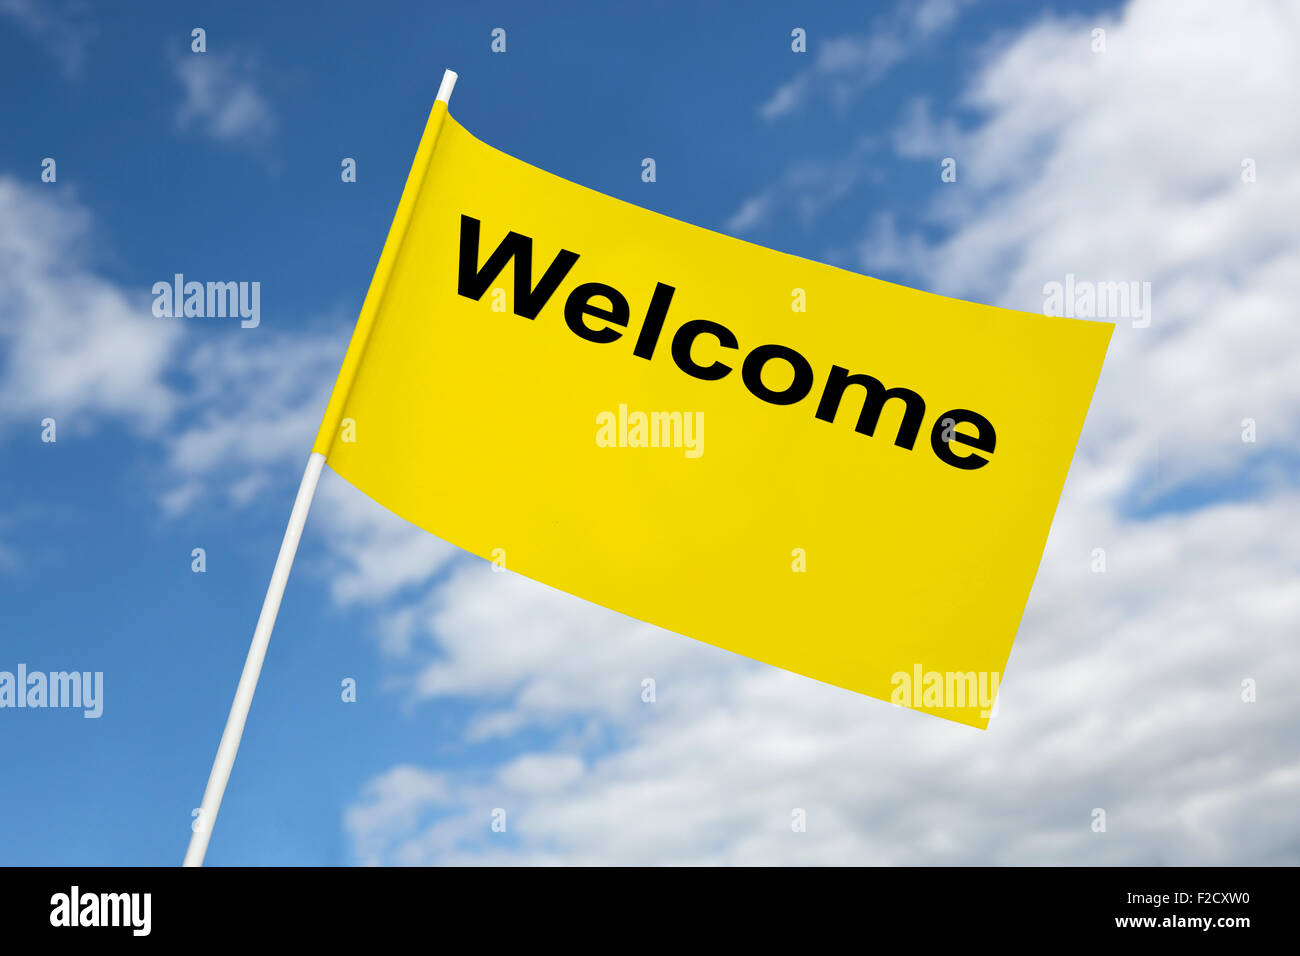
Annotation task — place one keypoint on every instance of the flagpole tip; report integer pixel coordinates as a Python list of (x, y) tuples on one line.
[(449, 78)]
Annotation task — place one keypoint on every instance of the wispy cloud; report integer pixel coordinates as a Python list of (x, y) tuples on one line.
[(886, 250), (221, 100), (64, 28), (806, 190), (845, 66), (75, 347)]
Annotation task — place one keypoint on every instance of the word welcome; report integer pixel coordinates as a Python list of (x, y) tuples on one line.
[(103, 909), (613, 315), (56, 689), (654, 430), (215, 300)]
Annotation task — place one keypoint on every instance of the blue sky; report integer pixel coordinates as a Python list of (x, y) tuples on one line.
[(229, 170)]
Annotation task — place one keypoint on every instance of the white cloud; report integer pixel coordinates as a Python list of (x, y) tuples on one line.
[(76, 348), (398, 797), (1134, 710), (375, 554), (548, 650), (231, 415), (541, 773), (920, 135), (234, 415), (752, 213), (807, 190), (1075, 174), (62, 28), (251, 404), (884, 249), (254, 401), (221, 100), (844, 66)]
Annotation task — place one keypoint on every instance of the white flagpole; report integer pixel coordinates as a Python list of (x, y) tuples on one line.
[(216, 788), (202, 828)]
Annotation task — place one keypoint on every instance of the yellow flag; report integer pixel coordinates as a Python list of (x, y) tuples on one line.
[(836, 475)]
